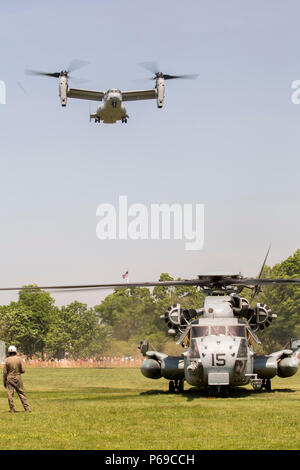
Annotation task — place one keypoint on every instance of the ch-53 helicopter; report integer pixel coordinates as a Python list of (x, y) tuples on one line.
[(112, 109), (217, 339)]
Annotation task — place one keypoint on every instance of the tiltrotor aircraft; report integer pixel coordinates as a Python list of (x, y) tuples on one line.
[(217, 339), (112, 109)]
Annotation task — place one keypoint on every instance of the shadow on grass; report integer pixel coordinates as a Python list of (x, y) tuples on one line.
[(194, 393), (84, 394)]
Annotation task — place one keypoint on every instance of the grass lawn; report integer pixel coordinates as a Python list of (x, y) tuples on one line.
[(115, 409)]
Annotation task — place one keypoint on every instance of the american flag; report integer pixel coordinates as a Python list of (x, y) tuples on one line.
[(125, 275)]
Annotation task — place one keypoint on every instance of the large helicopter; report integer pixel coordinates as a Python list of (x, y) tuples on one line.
[(112, 109), (217, 339)]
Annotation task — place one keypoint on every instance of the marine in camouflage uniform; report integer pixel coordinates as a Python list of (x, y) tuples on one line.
[(12, 381)]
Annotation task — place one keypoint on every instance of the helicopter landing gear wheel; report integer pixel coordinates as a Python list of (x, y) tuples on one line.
[(176, 386), (225, 391), (180, 386), (124, 120), (267, 385)]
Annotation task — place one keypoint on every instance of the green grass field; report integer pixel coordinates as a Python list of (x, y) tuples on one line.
[(115, 409)]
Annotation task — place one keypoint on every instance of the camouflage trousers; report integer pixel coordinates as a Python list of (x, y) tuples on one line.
[(12, 385)]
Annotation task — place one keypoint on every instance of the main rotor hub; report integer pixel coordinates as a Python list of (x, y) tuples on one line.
[(220, 284)]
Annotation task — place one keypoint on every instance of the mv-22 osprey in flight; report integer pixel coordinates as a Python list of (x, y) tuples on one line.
[(112, 109)]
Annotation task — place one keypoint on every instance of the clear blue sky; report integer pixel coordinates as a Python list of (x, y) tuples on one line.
[(229, 139)]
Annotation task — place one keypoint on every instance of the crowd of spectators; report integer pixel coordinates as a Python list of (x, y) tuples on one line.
[(105, 361)]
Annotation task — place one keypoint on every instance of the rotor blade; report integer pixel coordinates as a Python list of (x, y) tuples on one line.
[(189, 77), (77, 64), (126, 285), (257, 288), (21, 87), (260, 282), (36, 72), (150, 66), (207, 281), (262, 268)]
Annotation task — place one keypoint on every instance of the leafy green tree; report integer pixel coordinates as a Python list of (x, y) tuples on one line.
[(27, 321), (76, 331), (129, 312), (284, 302), (16, 327), (134, 314), (41, 306)]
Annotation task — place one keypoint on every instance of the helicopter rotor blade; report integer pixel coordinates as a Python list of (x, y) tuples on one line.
[(262, 268), (126, 285), (150, 66), (74, 65), (46, 74), (261, 282), (202, 281), (153, 67), (187, 77), (257, 288), (77, 64)]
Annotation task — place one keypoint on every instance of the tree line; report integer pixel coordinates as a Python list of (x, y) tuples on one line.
[(117, 325)]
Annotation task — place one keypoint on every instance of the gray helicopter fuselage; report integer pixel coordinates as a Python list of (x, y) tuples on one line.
[(112, 109), (218, 353)]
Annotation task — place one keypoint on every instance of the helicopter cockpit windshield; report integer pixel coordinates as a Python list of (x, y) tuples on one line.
[(237, 330), (200, 331), (219, 330)]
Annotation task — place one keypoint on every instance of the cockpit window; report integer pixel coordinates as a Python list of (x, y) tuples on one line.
[(199, 331), (217, 330), (237, 331)]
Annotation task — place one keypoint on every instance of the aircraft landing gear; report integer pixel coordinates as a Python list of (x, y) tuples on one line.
[(180, 386), (262, 384), (176, 385), (267, 385), (225, 391), (124, 120), (215, 391)]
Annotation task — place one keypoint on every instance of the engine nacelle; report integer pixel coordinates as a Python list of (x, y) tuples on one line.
[(287, 367), (160, 91), (151, 369), (63, 89), (178, 319), (265, 367), (261, 317), (172, 368)]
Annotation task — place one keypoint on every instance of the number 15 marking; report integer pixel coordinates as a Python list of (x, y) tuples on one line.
[(218, 360)]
